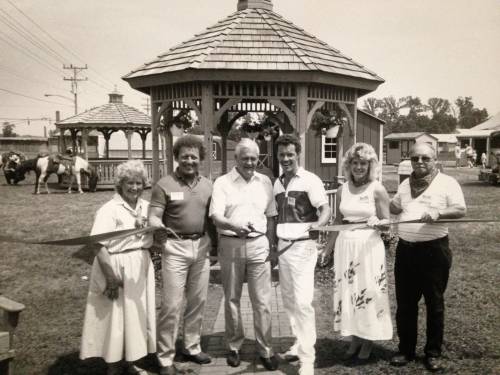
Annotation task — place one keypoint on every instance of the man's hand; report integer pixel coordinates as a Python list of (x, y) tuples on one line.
[(242, 230), (273, 256), (430, 216), (325, 254)]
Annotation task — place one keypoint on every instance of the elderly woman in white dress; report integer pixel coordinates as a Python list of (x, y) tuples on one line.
[(361, 302), (119, 321)]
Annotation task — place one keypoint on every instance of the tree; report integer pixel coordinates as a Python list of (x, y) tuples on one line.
[(468, 115), (8, 129), (371, 105)]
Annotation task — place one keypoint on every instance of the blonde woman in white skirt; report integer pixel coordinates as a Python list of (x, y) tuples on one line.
[(360, 296), (120, 318)]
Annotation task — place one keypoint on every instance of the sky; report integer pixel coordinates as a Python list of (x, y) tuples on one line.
[(425, 48)]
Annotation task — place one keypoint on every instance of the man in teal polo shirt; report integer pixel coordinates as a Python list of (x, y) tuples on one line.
[(181, 202)]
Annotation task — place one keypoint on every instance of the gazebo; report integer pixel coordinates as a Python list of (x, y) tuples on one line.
[(107, 119), (253, 61)]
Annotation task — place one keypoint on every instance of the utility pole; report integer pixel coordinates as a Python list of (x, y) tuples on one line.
[(74, 81)]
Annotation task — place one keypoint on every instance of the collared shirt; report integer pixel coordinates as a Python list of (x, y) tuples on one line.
[(444, 191), (298, 204), (185, 206), (243, 202), (116, 215)]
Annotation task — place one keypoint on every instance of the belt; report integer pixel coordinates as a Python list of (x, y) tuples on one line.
[(186, 236), (296, 240), (241, 238)]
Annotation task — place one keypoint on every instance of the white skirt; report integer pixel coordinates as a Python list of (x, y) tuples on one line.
[(360, 294), (125, 327)]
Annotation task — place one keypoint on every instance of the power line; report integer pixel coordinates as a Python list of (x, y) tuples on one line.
[(15, 25), (53, 39), (30, 54), (29, 79), (33, 98)]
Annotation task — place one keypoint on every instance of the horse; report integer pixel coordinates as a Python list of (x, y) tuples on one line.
[(79, 166), (46, 165), (8, 163)]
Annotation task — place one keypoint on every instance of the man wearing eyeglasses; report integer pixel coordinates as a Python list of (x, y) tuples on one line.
[(423, 256)]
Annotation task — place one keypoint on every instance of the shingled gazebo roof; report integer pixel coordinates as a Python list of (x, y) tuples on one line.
[(254, 39), (112, 114)]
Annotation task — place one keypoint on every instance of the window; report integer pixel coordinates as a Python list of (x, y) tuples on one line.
[(328, 149), (393, 144)]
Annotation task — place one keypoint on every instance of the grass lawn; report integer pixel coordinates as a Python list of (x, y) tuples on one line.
[(51, 282)]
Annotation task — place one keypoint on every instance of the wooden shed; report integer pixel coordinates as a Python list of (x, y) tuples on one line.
[(322, 157), (397, 145)]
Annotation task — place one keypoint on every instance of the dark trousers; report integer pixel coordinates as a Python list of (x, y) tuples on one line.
[(421, 268)]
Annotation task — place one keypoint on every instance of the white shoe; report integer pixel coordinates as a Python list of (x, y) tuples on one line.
[(306, 369)]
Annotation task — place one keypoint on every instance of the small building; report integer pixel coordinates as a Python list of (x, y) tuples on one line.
[(446, 146), (398, 145), (484, 137)]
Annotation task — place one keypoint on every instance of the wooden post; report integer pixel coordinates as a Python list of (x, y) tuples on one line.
[(85, 134), (73, 140), (207, 122), (144, 135), (301, 120), (488, 149), (61, 141), (154, 140), (355, 117), (168, 160), (129, 133)]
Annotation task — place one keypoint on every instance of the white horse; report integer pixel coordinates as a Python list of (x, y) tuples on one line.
[(79, 166)]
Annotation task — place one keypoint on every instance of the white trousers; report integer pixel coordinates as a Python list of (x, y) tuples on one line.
[(296, 270), (185, 272)]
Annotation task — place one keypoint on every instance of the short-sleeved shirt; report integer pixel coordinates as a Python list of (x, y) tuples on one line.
[(243, 202), (185, 206), (443, 192), (458, 152), (116, 215), (298, 204)]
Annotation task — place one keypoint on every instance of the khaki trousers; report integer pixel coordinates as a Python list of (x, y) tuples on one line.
[(239, 258), (185, 272)]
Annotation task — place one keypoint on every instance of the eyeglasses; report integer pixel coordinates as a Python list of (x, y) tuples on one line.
[(425, 159)]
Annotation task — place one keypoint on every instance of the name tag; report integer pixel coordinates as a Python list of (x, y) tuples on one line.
[(177, 195), (291, 201), (364, 199)]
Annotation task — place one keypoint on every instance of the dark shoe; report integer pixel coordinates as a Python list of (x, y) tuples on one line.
[(271, 363), (200, 358), (401, 360), (356, 361), (233, 359), (434, 364), (167, 370), (350, 356)]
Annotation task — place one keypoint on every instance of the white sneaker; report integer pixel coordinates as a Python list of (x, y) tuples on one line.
[(306, 369)]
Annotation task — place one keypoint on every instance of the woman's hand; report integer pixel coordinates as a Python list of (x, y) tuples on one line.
[(380, 224), (113, 284)]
